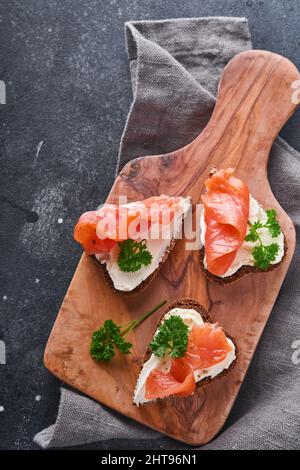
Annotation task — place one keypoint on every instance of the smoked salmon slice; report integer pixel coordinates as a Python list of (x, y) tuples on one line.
[(85, 233), (99, 231), (226, 213), (207, 346), (161, 384)]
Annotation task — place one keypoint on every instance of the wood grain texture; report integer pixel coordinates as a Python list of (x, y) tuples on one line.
[(254, 101)]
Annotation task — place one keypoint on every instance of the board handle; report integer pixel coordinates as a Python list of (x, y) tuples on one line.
[(257, 94)]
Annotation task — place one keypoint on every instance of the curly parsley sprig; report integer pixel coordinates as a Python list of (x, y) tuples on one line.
[(133, 255), (171, 338), (264, 254), (105, 339)]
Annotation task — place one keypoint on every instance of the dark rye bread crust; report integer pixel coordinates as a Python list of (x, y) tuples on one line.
[(193, 304), (240, 272)]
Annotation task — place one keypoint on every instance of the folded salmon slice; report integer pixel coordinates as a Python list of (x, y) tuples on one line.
[(99, 231), (161, 384), (207, 346), (226, 213), (85, 232)]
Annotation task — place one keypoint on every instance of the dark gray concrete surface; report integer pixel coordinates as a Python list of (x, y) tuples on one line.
[(65, 67)]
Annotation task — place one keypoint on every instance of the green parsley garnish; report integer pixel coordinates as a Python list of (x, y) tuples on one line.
[(109, 336), (272, 225), (264, 254), (133, 255), (171, 338)]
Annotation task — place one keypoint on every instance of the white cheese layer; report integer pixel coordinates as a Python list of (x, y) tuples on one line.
[(244, 255), (190, 317), (124, 281)]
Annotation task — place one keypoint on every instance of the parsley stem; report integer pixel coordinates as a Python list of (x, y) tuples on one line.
[(257, 234), (154, 309), (129, 326), (259, 238)]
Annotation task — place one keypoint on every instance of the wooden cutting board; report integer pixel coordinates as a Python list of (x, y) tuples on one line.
[(254, 101)]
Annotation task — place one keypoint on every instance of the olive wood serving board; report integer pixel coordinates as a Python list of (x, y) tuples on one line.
[(253, 103)]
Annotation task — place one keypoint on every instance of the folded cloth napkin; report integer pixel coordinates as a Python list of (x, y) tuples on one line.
[(175, 66)]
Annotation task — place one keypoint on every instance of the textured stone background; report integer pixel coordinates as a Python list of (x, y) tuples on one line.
[(68, 94)]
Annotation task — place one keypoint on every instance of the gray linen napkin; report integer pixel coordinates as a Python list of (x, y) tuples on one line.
[(175, 67)]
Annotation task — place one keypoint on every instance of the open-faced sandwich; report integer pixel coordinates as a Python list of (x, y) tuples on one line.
[(132, 240), (238, 236), (188, 350)]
